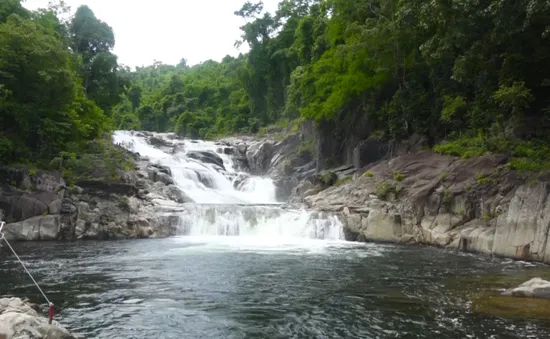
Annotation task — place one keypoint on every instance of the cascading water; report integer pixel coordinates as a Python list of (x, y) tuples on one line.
[(228, 201)]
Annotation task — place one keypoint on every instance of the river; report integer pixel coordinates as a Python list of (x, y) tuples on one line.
[(233, 287), (247, 267)]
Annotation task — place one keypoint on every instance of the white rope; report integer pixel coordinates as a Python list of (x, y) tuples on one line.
[(2, 237)]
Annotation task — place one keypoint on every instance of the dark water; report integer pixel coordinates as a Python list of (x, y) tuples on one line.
[(240, 288)]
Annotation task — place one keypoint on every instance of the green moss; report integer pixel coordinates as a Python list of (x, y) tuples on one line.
[(482, 179), (33, 172), (383, 189), (369, 174), (443, 175), (447, 197), (124, 203), (398, 176), (512, 307), (342, 181)]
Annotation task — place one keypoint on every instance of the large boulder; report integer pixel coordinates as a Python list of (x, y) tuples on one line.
[(206, 157), (259, 155), (534, 288), (20, 320), (36, 228), (20, 205)]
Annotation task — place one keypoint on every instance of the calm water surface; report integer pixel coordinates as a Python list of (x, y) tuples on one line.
[(235, 287)]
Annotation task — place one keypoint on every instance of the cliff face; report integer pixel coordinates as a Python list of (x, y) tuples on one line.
[(93, 209), (472, 205)]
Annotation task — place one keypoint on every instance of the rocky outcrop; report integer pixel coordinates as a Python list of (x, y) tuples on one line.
[(206, 157), (139, 206), (472, 205), (285, 160), (534, 288), (19, 319), (35, 228)]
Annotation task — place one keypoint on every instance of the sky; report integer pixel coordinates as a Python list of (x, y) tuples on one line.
[(168, 30)]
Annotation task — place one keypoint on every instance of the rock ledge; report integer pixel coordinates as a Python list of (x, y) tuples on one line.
[(20, 320)]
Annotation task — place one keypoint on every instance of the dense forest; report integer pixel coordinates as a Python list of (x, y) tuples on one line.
[(471, 76), (475, 74), (59, 81)]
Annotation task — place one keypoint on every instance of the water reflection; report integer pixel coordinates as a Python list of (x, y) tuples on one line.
[(174, 288)]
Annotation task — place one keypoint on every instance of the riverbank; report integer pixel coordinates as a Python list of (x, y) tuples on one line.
[(415, 197), (20, 319), (473, 205), (410, 195), (48, 205)]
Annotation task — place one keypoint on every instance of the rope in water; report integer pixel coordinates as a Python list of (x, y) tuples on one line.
[(50, 304)]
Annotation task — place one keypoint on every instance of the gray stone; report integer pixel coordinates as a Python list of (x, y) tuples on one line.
[(19, 320), (534, 288), (55, 206)]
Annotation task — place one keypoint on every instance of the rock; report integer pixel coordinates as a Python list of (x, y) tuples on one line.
[(157, 176), (33, 229), (259, 156), (49, 227), (369, 151), (55, 206), (439, 200), (162, 169), (158, 142), (534, 288), (204, 179), (22, 207), (103, 188), (19, 319), (206, 157), (174, 193)]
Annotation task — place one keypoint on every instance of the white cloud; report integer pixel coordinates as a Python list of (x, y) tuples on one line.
[(168, 30)]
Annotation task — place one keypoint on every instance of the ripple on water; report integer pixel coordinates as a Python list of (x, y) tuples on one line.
[(200, 287)]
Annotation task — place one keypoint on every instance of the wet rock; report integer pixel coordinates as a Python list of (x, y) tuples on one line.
[(534, 288), (19, 319), (157, 175), (259, 156), (240, 180), (162, 169), (207, 158), (205, 179), (158, 142), (175, 194)]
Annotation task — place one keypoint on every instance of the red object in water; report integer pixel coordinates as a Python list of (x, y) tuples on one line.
[(51, 313)]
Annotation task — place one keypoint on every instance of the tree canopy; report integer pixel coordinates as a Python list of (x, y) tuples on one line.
[(448, 70), (438, 68), (58, 81)]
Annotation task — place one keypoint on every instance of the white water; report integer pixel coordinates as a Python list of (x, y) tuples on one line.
[(222, 210), (186, 171)]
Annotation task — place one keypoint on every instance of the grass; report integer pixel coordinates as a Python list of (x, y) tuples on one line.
[(523, 155), (369, 174), (398, 176), (384, 188), (342, 181)]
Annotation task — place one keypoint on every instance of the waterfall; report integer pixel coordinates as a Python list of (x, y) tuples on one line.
[(228, 200)]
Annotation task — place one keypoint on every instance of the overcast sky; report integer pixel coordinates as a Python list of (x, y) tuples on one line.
[(168, 30)]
